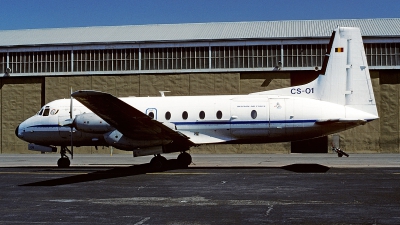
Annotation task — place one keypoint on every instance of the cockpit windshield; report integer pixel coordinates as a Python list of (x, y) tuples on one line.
[(40, 112), (45, 111)]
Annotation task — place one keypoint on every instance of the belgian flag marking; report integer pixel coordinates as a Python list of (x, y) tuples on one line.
[(339, 50)]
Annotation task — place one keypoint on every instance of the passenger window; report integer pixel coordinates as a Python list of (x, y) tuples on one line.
[(202, 115), (219, 114), (184, 115), (253, 114), (167, 115), (151, 115), (46, 111)]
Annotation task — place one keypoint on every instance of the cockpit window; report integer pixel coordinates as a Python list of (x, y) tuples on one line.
[(53, 111), (40, 112), (46, 111)]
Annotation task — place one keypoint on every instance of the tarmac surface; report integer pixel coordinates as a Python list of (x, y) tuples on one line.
[(216, 189)]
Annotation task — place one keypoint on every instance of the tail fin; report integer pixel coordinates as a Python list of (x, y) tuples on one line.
[(344, 77)]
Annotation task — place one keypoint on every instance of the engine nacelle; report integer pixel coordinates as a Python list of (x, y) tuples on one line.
[(91, 123), (118, 140), (41, 148)]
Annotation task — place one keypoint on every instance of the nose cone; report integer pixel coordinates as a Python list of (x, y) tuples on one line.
[(17, 132)]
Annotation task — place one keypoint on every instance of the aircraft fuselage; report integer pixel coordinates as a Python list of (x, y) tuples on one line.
[(204, 119)]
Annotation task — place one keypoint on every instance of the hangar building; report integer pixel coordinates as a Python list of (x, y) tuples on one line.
[(40, 65)]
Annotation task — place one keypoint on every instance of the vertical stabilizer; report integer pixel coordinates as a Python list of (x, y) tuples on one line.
[(344, 77), (347, 80)]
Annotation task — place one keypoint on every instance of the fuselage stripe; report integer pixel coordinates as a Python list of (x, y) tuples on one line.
[(207, 123)]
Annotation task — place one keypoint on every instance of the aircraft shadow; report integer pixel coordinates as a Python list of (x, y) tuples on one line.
[(306, 168), (172, 164)]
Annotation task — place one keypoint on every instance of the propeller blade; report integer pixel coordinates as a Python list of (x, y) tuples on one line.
[(72, 143), (72, 127), (70, 106)]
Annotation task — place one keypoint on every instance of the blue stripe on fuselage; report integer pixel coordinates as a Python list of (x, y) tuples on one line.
[(45, 126), (242, 122), (205, 123)]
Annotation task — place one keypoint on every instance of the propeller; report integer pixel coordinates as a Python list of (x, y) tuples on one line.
[(72, 127)]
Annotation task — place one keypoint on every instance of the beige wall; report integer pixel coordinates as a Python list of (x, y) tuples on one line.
[(22, 97)]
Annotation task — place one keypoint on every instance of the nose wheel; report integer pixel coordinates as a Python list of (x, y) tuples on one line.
[(64, 161)]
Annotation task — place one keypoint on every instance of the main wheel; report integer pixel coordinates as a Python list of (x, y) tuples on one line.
[(158, 162), (184, 159), (63, 162)]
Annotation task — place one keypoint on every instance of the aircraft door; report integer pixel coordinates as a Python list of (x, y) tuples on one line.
[(290, 117), (282, 118), (249, 118), (277, 115)]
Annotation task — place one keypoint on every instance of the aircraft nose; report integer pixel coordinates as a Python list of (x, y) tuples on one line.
[(17, 133)]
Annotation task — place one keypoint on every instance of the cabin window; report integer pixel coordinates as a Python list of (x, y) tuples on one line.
[(151, 115), (253, 114), (202, 115), (167, 115), (219, 114), (46, 111), (184, 115)]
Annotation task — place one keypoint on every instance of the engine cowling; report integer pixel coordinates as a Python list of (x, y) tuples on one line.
[(118, 140), (91, 123)]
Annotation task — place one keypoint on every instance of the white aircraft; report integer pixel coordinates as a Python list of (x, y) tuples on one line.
[(340, 98)]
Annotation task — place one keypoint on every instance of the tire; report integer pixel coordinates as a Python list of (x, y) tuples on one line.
[(63, 162), (158, 162), (184, 159)]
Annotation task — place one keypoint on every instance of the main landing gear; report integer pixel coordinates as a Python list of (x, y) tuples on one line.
[(64, 161), (158, 162), (184, 159)]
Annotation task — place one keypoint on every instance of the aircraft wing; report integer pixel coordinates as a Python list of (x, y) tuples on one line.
[(127, 119)]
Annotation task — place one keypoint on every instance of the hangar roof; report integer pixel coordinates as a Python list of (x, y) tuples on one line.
[(293, 29)]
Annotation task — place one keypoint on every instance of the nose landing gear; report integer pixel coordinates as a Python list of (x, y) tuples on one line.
[(64, 161)]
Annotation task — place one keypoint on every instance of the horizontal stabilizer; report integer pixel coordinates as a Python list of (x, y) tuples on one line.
[(342, 121)]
